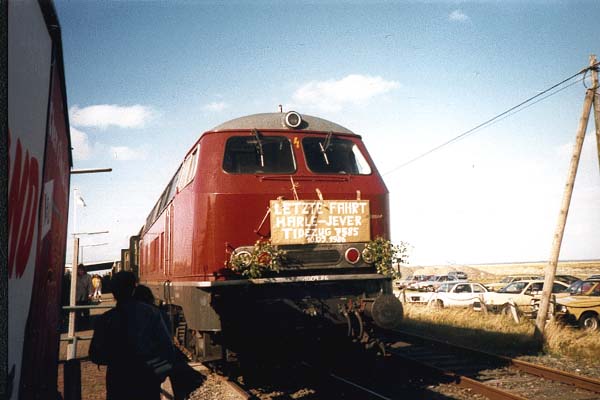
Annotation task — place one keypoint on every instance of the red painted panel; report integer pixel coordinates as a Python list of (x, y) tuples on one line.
[(220, 211), (42, 340)]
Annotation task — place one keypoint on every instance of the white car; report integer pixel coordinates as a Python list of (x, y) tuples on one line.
[(462, 294), (509, 279), (452, 294), (521, 293)]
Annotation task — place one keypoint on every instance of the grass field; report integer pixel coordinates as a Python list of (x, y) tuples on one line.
[(500, 334), (494, 332)]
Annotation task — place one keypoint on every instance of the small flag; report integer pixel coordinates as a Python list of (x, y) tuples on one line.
[(79, 200)]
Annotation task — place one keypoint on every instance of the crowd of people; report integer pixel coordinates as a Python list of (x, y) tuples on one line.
[(88, 291)]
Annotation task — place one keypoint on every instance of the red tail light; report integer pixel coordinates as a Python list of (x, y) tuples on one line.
[(352, 255)]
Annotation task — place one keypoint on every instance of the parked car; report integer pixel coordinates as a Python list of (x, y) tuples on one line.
[(434, 283), (419, 283), (410, 280), (404, 282), (463, 294), (573, 288), (568, 279), (582, 308), (508, 280), (451, 294), (593, 277), (521, 293), (458, 274)]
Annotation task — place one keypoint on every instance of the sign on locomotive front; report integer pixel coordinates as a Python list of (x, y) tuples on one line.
[(319, 221)]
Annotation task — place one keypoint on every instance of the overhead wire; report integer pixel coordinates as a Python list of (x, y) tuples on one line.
[(533, 103), (505, 114)]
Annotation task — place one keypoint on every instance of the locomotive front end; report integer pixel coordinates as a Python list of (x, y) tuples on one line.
[(274, 224)]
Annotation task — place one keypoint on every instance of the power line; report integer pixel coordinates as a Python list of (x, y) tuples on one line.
[(532, 104), (505, 114)]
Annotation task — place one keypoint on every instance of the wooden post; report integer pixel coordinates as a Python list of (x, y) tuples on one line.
[(483, 305), (514, 311), (72, 347), (72, 384), (596, 110), (550, 272)]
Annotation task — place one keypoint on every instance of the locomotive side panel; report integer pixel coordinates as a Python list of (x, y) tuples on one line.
[(184, 220)]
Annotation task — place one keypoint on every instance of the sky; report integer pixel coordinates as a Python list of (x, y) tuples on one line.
[(146, 78)]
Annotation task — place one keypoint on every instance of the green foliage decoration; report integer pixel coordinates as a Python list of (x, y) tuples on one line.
[(263, 257), (385, 255)]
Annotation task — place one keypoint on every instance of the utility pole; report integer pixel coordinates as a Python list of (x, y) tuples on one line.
[(550, 272), (596, 110), (72, 369), (72, 347)]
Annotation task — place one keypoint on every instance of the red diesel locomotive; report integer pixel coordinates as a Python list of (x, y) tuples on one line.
[(303, 185)]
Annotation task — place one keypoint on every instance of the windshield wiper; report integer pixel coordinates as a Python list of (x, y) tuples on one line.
[(260, 147), (324, 148)]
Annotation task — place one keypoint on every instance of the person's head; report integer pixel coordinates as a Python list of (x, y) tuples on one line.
[(81, 269), (144, 294), (123, 285)]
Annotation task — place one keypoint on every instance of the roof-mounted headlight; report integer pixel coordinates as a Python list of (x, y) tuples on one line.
[(292, 119)]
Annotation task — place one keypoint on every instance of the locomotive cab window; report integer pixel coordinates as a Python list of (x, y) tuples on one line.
[(258, 154), (334, 156), (188, 169)]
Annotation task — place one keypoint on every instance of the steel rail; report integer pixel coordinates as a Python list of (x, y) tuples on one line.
[(345, 381), (227, 381), (357, 386), (235, 387), (485, 390), (464, 381), (582, 382), (579, 381)]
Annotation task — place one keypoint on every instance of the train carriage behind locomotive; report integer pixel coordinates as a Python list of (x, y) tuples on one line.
[(253, 179)]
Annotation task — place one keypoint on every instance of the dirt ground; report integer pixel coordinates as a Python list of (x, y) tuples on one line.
[(92, 376)]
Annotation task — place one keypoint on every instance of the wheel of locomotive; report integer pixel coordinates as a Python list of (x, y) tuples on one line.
[(186, 338), (589, 321), (180, 328)]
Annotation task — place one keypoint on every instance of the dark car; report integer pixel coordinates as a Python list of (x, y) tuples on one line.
[(568, 279)]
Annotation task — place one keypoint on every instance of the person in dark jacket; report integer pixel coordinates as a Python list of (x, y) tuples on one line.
[(132, 340), (144, 294)]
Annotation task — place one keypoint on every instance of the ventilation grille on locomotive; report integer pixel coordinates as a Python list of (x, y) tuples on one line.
[(312, 257)]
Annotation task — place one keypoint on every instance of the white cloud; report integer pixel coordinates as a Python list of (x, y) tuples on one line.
[(105, 115), (80, 144), (332, 95), (458, 16), (124, 153), (215, 106)]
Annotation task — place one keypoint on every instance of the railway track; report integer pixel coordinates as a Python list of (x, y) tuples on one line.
[(492, 376), (296, 380)]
